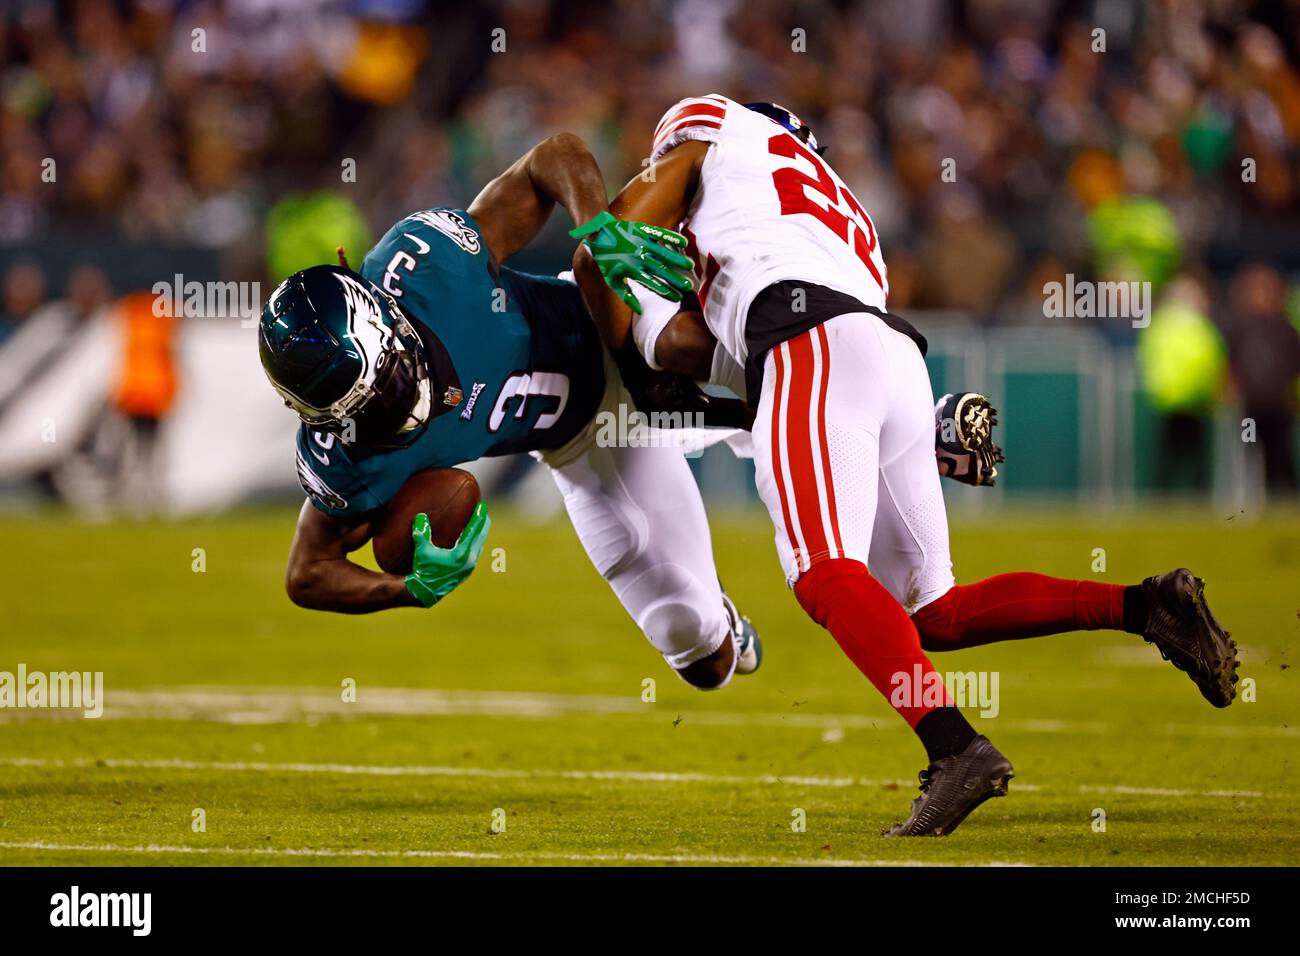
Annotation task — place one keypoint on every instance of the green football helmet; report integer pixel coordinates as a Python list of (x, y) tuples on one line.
[(342, 355)]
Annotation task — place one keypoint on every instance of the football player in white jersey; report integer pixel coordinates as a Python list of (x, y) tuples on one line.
[(792, 285)]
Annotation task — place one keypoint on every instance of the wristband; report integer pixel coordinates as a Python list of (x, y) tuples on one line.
[(656, 313)]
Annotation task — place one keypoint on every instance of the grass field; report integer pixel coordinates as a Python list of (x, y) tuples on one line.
[(521, 699)]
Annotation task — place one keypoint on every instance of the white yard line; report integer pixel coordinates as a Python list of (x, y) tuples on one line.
[(1166, 792), (508, 773), (525, 857), (268, 705), (497, 773)]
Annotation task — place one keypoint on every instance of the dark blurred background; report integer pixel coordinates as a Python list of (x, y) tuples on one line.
[(998, 146)]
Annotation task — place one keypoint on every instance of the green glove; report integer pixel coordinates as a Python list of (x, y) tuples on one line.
[(437, 571), (636, 250)]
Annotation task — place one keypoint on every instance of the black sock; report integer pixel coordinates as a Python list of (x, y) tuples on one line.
[(1135, 609), (945, 732)]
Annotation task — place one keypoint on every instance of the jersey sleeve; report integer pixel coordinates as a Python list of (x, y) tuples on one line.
[(699, 117), (330, 481), (436, 243)]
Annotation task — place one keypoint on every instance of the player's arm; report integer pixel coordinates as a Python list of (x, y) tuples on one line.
[(686, 345), (320, 576), (512, 208), (659, 196)]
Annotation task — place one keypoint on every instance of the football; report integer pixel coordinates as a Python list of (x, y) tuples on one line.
[(446, 495)]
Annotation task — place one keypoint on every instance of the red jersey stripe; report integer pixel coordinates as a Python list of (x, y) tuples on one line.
[(691, 109), (687, 124)]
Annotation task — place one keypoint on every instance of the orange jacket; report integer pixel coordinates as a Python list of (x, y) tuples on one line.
[(147, 376)]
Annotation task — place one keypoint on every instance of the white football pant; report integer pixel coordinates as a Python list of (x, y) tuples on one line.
[(844, 453)]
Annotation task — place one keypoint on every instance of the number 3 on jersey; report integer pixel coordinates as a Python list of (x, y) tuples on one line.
[(549, 389), (792, 188)]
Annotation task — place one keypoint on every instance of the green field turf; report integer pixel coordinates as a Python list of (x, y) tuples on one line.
[(521, 696)]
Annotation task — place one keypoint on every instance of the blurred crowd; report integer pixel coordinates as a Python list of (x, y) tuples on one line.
[(997, 144)]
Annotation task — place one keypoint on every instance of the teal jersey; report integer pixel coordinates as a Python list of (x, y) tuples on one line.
[(515, 364)]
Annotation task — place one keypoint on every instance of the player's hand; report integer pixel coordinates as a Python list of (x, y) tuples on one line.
[(659, 390), (963, 439), (626, 250), (435, 571)]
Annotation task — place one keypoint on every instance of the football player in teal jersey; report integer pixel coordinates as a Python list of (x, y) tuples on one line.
[(434, 354)]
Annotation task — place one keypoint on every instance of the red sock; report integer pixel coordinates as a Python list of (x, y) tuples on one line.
[(1012, 606), (873, 630)]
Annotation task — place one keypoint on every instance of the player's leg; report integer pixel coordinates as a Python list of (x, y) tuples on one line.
[(640, 518), (825, 398), (910, 549), (1168, 610), (910, 555), (835, 400), (1024, 604)]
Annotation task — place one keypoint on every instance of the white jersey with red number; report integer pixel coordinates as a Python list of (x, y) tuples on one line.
[(767, 209)]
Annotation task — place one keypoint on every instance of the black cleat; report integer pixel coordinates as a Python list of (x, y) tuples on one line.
[(1180, 625), (954, 786)]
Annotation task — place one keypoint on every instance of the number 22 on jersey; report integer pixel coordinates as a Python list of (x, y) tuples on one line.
[(852, 225)]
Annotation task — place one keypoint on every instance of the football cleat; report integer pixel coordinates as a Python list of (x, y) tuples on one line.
[(749, 649), (1180, 625), (963, 439), (954, 786)]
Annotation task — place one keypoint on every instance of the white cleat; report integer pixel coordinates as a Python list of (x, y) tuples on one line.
[(749, 649)]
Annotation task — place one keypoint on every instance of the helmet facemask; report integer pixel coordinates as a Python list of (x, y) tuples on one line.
[(400, 399)]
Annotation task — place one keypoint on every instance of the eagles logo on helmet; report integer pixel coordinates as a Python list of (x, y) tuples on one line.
[(339, 351)]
